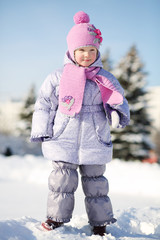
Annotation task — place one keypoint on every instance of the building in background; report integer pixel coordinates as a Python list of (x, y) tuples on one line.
[(153, 98)]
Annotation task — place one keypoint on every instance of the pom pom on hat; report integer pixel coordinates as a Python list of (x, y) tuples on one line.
[(81, 17)]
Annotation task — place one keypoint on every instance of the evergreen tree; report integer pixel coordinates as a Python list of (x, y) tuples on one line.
[(107, 63), (26, 113), (133, 142)]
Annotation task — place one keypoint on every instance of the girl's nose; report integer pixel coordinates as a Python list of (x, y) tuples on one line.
[(86, 54)]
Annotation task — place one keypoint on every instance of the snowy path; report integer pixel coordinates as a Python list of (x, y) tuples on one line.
[(134, 191)]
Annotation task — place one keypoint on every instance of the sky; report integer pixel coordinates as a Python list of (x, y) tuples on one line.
[(33, 37)]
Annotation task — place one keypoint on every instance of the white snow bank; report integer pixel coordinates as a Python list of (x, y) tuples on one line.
[(31, 169), (132, 224), (124, 177), (142, 179)]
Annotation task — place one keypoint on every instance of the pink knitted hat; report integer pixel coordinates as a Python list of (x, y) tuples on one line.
[(83, 34)]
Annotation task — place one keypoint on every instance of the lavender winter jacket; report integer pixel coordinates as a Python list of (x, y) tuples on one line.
[(85, 138)]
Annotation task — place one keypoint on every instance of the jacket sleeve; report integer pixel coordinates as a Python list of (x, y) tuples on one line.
[(45, 110)]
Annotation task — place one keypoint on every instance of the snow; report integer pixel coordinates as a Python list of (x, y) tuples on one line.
[(132, 224), (134, 191)]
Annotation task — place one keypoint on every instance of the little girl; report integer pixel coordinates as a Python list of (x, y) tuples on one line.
[(71, 119)]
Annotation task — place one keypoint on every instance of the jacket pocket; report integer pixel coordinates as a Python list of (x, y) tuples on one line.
[(102, 128), (60, 123)]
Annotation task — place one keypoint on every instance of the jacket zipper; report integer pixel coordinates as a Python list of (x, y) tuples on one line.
[(79, 134)]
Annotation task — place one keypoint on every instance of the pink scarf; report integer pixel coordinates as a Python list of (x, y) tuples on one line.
[(72, 86)]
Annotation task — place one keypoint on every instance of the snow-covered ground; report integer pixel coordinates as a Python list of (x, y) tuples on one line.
[(134, 191)]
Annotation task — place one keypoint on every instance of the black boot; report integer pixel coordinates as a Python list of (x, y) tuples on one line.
[(50, 225), (99, 230)]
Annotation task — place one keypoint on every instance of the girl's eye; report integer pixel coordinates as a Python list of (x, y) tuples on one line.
[(93, 50), (81, 50)]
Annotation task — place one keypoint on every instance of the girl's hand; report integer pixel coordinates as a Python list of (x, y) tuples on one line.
[(115, 119)]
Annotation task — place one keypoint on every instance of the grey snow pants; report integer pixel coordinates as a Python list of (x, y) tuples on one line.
[(63, 182)]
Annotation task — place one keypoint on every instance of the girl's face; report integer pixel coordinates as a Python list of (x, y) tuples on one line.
[(85, 56)]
